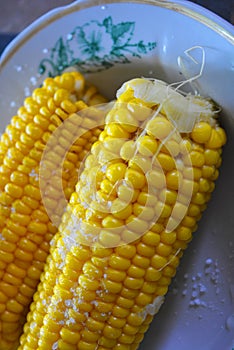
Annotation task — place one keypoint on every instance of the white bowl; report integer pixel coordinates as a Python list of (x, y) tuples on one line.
[(146, 38)]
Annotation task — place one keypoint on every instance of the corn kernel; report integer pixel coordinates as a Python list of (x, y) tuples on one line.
[(159, 127)]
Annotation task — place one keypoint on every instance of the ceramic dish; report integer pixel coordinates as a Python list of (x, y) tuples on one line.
[(114, 41)]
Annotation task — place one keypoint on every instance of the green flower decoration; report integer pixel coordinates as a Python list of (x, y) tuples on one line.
[(95, 46)]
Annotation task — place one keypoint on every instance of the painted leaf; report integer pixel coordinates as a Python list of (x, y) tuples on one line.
[(122, 33), (59, 54), (108, 24)]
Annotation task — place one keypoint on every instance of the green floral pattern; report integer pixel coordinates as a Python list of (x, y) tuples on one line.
[(95, 46)]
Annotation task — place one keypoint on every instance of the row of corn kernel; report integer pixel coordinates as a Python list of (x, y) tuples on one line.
[(26, 227), (101, 294)]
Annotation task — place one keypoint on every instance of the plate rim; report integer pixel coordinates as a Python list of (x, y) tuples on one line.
[(189, 9)]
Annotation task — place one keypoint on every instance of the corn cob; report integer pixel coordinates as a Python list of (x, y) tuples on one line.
[(26, 229), (119, 245)]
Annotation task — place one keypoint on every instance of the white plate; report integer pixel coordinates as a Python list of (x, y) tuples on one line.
[(145, 38)]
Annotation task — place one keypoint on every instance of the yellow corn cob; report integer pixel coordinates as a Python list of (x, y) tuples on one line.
[(135, 208), (25, 227)]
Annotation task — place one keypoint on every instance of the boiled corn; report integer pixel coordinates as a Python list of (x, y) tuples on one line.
[(26, 229), (134, 211)]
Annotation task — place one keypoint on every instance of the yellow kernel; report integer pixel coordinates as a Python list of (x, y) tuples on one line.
[(34, 273), (107, 187), (128, 150), (179, 210), (211, 156), (157, 228), (146, 199), (19, 178), (116, 322), (120, 209), (117, 131), (8, 289), (106, 343), (129, 236), (217, 139), (6, 257), (192, 173), (156, 179), (159, 127), (126, 119), (120, 312), (163, 210), (126, 193), (116, 172), (13, 306), (151, 238), (188, 221), (168, 196), (88, 283), (163, 249), (184, 233), (221, 134), (136, 178), (168, 237), (90, 269), (143, 299), (10, 316), (7, 246), (201, 132), (143, 212), (204, 185), (111, 332), (166, 161), (135, 271), (145, 250), (64, 345), (32, 192), (171, 147), (152, 274), (134, 319), (133, 283), (141, 261), (127, 251), (13, 190), (108, 238), (8, 278), (208, 171), (158, 262), (140, 163), (118, 262), (188, 187), (113, 145), (31, 105), (194, 210), (126, 339), (60, 95), (115, 275), (197, 159), (111, 286), (136, 225), (34, 131), (128, 293), (23, 255), (199, 198), (21, 219), (111, 222), (89, 336), (147, 145), (94, 325), (173, 179), (83, 345)]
